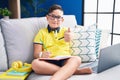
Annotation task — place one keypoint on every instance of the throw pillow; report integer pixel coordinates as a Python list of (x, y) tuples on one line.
[(102, 39), (19, 35), (97, 40), (83, 43)]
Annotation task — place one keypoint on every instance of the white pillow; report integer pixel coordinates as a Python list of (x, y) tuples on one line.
[(83, 43), (103, 42)]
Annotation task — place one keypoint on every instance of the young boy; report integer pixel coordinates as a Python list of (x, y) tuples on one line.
[(54, 41)]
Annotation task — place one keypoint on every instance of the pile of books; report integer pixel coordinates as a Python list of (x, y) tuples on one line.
[(18, 71), (11, 74)]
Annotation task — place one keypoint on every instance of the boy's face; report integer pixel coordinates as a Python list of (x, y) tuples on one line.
[(55, 18)]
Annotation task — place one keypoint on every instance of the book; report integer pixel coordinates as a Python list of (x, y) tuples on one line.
[(56, 58), (16, 73), (8, 75)]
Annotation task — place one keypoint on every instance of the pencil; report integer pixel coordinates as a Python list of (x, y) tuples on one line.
[(60, 38)]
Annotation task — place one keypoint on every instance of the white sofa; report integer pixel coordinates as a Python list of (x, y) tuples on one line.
[(16, 43)]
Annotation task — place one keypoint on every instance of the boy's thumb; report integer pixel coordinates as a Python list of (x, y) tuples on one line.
[(69, 29)]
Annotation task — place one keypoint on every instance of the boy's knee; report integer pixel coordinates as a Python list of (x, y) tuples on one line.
[(77, 59), (34, 64)]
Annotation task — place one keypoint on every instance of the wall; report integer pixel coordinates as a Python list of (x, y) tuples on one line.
[(72, 7), (3, 4), (37, 8)]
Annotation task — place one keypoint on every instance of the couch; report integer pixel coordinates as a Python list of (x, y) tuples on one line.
[(16, 43)]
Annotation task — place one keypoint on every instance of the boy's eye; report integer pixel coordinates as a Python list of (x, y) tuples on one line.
[(57, 17)]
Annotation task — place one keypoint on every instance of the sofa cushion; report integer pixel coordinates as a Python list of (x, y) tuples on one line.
[(3, 56), (83, 43), (34, 76), (19, 34)]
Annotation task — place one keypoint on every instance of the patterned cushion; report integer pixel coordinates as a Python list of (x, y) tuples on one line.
[(83, 43), (97, 40)]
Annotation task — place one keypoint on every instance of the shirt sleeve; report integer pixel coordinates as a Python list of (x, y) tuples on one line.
[(38, 38)]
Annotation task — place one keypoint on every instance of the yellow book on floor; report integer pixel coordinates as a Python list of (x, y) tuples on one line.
[(9, 75)]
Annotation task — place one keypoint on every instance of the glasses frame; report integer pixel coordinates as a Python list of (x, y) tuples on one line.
[(53, 17)]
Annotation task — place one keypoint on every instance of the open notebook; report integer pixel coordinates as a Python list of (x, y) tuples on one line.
[(56, 58)]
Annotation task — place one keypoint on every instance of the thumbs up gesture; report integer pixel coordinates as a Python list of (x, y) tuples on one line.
[(68, 35)]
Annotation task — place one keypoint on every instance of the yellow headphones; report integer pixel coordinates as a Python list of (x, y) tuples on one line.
[(20, 67)]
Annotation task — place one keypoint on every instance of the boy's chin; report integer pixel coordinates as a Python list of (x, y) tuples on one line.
[(54, 27)]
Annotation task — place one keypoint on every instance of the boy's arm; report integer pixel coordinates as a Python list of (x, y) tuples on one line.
[(37, 50)]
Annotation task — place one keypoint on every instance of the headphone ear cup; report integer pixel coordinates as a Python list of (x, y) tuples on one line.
[(20, 64), (17, 64)]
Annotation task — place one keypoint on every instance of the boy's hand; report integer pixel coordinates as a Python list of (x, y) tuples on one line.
[(46, 54), (68, 35)]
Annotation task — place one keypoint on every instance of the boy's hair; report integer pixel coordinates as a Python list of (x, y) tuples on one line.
[(54, 7)]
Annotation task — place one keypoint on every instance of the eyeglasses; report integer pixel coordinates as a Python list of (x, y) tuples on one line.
[(53, 17)]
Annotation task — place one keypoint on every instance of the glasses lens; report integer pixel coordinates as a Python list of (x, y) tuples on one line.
[(52, 17)]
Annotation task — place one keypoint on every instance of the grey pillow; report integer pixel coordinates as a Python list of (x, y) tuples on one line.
[(3, 56), (19, 35)]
